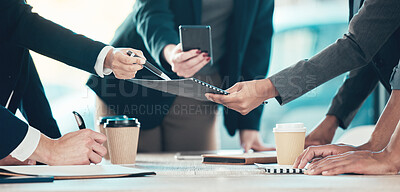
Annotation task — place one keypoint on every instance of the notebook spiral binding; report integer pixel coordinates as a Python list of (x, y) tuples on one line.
[(218, 90), (288, 171)]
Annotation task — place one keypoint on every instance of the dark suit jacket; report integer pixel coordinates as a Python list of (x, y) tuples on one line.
[(153, 24), (360, 83), (22, 30)]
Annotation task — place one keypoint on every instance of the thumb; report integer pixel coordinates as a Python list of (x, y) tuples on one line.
[(246, 147), (235, 88)]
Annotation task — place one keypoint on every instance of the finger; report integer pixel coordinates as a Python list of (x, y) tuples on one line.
[(95, 158), (129, 60), (312, 152), (197, 68), (138, 53), (246, 147), (326, 160), (127, 70), (330, 164), (222, 99), (99, 149), (184, 56), (263, 148), (98, 137), (348, 168), (298, 159), (200, 59), (235, 88)]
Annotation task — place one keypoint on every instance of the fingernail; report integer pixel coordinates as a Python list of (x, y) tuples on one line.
[(31, 162), (324, 172), (209, 58), (205, 54), (198, 51)]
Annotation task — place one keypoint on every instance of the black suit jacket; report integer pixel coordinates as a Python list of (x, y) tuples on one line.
[(360, 83), (153, 24), (22, 30)]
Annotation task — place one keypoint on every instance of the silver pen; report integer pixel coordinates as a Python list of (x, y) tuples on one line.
[(151, 68)]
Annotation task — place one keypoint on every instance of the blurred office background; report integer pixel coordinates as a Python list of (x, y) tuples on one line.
[(302, 28)]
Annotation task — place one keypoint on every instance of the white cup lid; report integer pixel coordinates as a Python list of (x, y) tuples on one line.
[(290, 127)]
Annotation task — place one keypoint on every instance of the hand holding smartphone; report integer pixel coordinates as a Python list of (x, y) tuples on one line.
[(189, 57)]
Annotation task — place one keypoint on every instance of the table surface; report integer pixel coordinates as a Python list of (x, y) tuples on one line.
[(192, 175)]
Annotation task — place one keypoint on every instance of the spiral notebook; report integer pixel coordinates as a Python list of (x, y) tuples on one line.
[(190, 87), (279, 169)]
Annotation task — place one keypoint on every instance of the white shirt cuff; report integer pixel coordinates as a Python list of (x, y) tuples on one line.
[(99, 66), (26, 148)]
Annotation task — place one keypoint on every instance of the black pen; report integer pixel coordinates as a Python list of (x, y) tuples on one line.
[(79, 120)]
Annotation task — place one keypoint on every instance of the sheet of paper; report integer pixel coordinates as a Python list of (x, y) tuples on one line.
[(73, 171), (181, 87)]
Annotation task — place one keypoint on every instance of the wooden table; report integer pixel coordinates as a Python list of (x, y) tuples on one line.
[(192, 175)]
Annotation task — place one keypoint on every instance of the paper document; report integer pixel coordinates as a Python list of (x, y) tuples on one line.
[(191, 87), (74, 172)]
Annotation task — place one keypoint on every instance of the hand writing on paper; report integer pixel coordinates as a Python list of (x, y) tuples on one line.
[(7, 161), (250, 139), (185, 64), (77, 148), (360, 162), (245, 96), (123, 65)]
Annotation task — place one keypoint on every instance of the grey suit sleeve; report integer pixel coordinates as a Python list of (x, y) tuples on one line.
[(368, 32), (395, 78), (355, 90)]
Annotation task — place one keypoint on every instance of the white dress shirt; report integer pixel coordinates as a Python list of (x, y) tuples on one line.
[(31, 140)]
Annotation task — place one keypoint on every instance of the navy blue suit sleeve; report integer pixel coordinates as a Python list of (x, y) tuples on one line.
[(12, 132), (155, 24), (29, 30), (36, 108), (257, 57)]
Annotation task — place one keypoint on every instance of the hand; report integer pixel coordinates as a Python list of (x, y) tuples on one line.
[(324, 133), (360, 162), (318, 152), (77, 148), (7, 161), (245, 96), (250, 139), (185, 64), (123, 65)]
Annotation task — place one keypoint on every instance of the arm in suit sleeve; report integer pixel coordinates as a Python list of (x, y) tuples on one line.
[(31, 31), (257, 58), (368, 31), (13, 131), (36, 108), (355, 90), (155, 24)]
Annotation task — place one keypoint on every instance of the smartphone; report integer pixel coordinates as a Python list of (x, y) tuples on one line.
[(196, 37)]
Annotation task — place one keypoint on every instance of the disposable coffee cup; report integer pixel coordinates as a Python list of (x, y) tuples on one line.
[(289, 140), (100, 125), (122, 136)]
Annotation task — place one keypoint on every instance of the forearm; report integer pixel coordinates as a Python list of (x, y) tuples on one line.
[(368, 32), (31, 31), (155, 24), (393, 148), (355, 90), (386, 124)]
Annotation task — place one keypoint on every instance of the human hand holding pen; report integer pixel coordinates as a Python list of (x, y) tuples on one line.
[(245, 96), (122, 64)]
